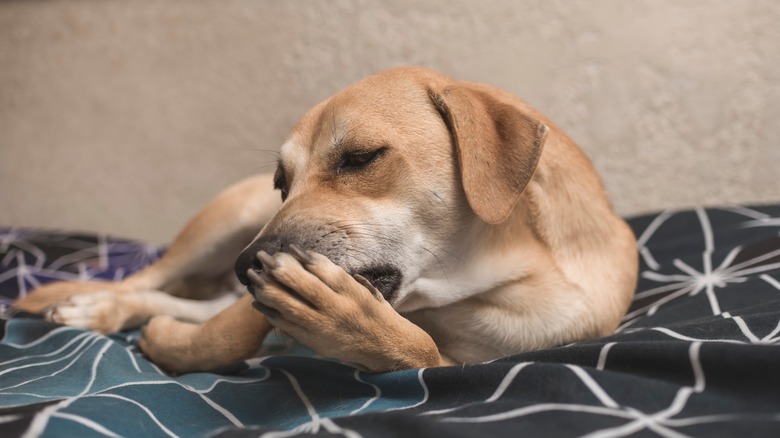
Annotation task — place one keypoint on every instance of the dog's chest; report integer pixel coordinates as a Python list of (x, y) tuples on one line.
[(466, 333)]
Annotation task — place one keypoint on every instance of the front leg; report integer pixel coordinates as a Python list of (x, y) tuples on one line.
[(233, 335), (337, 315)]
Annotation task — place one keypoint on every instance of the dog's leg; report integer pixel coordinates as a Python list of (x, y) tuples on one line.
[(208, 245), (233, 335), (322, 306), (203, 254), (107, 312)]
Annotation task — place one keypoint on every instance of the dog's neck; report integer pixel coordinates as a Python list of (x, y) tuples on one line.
[(483, 260)]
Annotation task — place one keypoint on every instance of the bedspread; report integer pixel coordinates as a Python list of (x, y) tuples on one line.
[(697, 354)]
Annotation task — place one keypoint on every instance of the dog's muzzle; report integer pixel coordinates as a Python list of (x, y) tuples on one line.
[(387, 279)]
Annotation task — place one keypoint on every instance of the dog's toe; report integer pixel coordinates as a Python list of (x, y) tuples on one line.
[(100, 312)]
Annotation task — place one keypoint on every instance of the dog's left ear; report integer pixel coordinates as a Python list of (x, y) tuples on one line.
[(498, 147)]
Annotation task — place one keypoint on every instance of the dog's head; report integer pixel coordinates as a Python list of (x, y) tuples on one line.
[(391, 177)]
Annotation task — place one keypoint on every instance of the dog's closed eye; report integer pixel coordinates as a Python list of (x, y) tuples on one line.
[(280, 182), (356, 160)]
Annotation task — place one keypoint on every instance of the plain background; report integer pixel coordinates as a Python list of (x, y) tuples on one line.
[(126, 116)]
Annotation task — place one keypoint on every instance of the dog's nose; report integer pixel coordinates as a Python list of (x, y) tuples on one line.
[(248, 260)]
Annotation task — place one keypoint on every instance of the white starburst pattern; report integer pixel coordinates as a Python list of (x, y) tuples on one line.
[(28, 266), (662, 422), (690, 281)]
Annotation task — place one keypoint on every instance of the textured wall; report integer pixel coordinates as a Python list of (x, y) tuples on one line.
[(126, 116)]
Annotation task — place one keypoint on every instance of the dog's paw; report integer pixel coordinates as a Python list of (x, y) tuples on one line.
[(338, 315), (51, 294), (101, 312)]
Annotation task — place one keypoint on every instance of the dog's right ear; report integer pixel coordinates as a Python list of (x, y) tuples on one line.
[(498, 147)]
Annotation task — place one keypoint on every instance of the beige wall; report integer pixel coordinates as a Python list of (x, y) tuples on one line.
[(125, 116)]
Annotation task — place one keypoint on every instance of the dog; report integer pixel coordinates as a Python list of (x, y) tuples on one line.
[(422, 222)]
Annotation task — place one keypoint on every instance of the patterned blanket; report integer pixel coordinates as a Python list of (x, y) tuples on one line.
[(697, 355)]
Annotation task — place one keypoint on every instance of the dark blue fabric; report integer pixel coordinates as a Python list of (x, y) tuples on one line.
[(697, 355)]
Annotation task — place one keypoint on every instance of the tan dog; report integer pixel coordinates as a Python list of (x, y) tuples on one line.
[(425, 221)]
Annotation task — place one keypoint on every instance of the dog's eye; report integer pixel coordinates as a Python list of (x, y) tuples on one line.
[(357, 160), (282, 188), (280, 183)]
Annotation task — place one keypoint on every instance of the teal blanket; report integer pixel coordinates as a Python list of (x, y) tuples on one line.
[(697, 355)]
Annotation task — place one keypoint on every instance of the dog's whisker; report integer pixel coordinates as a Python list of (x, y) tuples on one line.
[(266, 151), (402, 243), (437, 196), (441, 265)]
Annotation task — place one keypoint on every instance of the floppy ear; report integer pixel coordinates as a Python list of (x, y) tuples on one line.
[(498, 148)]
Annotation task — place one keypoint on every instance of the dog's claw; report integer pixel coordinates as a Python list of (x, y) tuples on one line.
[(48, 313), (256, 278), (367, 284), (267, 261), (301, 255)]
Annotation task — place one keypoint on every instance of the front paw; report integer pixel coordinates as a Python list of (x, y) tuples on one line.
[(322, 306)]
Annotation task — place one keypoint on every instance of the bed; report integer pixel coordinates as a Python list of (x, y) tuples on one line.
[(698, 354)]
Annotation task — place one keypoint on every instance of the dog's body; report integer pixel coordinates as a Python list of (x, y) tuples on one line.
[(425, 222)]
